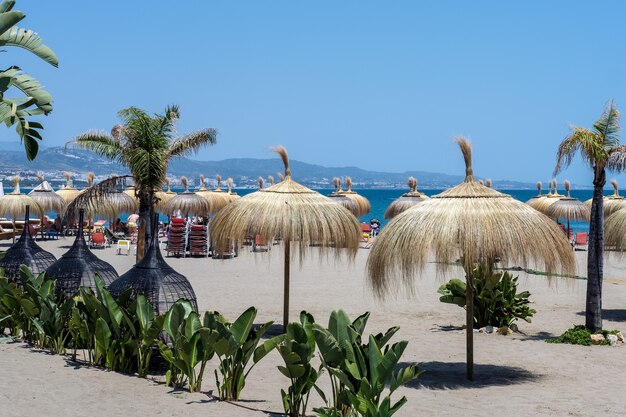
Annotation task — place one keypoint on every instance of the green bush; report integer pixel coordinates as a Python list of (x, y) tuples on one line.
[(580, 335), (496, 300)]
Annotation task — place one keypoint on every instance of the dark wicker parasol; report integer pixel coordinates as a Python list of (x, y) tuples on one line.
[(155, 279), (25, 252), (77, 267)]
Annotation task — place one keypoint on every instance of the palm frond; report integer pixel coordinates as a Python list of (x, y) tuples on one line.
[(607, 126), (8, 18), (583, 140), (617, 159), (191, 142), (100, 143), (30, 87), (95, 197)]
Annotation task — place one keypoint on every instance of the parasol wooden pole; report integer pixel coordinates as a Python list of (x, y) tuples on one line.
[(286, 286), (469, 324)]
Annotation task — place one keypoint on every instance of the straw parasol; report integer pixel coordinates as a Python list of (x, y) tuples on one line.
[(223, 198), (364, 204), (131, 192), (611, 203), (471, 222), (103, 199), (155, 279), (569, 208), (164, 197), (15, 202), (293, 212), (406, 200), (45, 196), (339, 197), (233, 195), (615, 231), (532, 201), (25, 252), (552, 197), (69, 193), (77, 267), (188, 202)]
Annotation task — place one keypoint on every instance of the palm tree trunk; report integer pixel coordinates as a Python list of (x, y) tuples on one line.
[(595, 254), (146, 210)]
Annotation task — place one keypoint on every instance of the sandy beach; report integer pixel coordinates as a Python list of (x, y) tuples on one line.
[(518, 375)]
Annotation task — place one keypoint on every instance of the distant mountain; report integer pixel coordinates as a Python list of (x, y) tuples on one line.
[(54, 161)]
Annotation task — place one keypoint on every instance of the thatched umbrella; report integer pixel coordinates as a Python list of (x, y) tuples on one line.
[(611, 203), (406, 200), (77, 267), (15, 202), (615, 231), (532, 201), (552, 197), (25, 252), (217, 198), (569, 208), (340, 198), (45, 196), (69, 193), (291, 211), (188, 202), (471, 222), (131, 192), (363, 203), (155, 279), (103, 199), (164, 197), (220, 198)]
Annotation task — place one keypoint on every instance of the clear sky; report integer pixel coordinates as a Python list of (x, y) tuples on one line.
[(380, 85)]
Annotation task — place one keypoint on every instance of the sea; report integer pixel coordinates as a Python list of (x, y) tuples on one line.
[(381, 198)]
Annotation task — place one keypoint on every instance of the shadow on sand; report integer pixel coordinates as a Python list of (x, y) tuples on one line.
[(451, 375), (612, 315)]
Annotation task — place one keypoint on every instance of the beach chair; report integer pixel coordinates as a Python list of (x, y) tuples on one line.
[(99, 225), (97, 240), (581, 241), (112, 236), (5, 234), (123, 245), (260, 244)]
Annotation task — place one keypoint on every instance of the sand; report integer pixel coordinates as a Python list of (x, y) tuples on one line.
[(518, 375)]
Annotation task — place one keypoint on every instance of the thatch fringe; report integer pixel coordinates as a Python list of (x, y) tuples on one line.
[(469, 221)]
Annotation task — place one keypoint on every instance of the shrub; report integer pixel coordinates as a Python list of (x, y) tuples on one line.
[(580, 335), (496, 300)]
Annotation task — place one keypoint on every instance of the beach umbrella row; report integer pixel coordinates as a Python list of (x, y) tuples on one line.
[(16, 202)]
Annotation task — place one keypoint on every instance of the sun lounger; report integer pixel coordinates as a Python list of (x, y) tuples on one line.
[(98, 240), (581, 241)]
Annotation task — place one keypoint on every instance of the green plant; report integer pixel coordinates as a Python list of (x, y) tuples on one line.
[(235, 346), (35, 100), (297, 347), (496, 300), (360, 372), (580, 335), (191, 344), (149, 327), (50, 315)]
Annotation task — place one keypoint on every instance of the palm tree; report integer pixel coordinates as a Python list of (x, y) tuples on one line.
[(600, 148), (145, 144), (34, 100)]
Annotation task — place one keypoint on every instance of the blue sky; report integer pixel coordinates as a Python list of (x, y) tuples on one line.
[(379, 85)]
